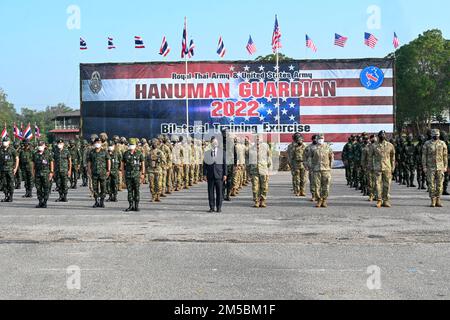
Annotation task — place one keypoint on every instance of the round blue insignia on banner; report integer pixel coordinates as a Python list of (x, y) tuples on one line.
[(372, 78)]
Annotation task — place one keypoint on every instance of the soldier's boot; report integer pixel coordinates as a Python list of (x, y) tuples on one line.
[(6, 198), (115, 198), (370, 198), (439, 203), (131, 207), (163, 195), (433, 203), (157, 198), (11, 197), (386, 204), (65, 198), (60, 199), (44, 204), (110, 198), (40, 204), (233, 193), (319, 203), (313, 199), (227, 196), (324, 203), (379, 204), (256, 204), (263, 204), (136, 206), (302, 193), (102, 203), (96, 204)]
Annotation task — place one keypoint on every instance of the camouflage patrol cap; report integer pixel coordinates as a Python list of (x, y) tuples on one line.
[(155, 141), (60, 140), (133, 141), (72, 142), (103, 136), (94, 136), (174, 138), (435, 133)]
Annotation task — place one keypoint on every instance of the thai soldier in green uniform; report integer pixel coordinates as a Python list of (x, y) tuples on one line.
[(369, 168), (26, 166), (322, 158), (297, 163), (435, 164), (113, 180), (357, 153), (346, 153), (43, 169), (99, 167), (421, 177), (260, 162), (409, 161), (9, 165), (383, 165), (364, 176), (63, 169), (155, 162), (83, 163), (18, 175), (289, 157), (75, 154), (133, 166)]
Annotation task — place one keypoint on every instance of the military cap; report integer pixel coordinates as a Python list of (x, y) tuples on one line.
[(6, 139), (133, 141), (41, 143), (320, 136), (72, 142), (97, 140), (435, 133), (60, 140)]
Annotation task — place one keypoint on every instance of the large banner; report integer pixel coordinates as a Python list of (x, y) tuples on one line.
[(334, 97)]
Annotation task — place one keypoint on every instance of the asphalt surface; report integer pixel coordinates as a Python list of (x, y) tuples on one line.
[(176, 250)]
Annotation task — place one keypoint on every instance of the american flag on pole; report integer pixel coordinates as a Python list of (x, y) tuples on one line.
[(111, 43), (165, 49), (221, 48), (339, 40), (276, 37), (310, 44), (396, 41), (251, 47), (139, 43), (83, 44), (370, 40)]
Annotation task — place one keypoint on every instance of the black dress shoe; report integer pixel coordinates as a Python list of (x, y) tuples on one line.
[(211, 211)]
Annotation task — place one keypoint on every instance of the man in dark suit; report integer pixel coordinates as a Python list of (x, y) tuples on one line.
[(214, 170)]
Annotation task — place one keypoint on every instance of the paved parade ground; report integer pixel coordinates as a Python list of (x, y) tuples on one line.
[(175, 250)]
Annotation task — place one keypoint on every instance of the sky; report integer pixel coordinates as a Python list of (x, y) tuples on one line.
[(39, 47)]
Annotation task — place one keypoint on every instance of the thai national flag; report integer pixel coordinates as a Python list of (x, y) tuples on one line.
[(37, 131), (83, 44), (221, 48), (17, 133), (111, 43), (28, 133), (184, 49), (139, 43), (4, 133), (396, 41), (251, 47), (191, 49), (165, 49)]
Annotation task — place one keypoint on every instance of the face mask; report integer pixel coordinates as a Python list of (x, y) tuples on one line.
[(321, 141), (435, 138), (132, 147), (98, 146), (41, 148), (111, 149), (60, 146), (6, 144)]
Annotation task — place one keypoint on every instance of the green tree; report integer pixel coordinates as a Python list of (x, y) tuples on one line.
[(423, 80), (7, 112), (273, 58)]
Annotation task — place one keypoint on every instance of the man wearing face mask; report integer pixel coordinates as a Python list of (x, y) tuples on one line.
[(43, 169), (308, 158), (9, 164), (297, 163), (260, 164), (155, 162), (99, 166), (418, 151), (409, 161), (133, 166), (26, 160), (384, 166), (214, 171), (370, 170), (63, 169), (435, 164), (322, 159), (75, 154), (113, 180)]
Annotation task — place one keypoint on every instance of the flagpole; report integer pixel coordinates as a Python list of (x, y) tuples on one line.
[(278, 97), (186, 81)]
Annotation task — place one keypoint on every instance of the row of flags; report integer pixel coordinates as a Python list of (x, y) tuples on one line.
[(370, 40), (21, 134)]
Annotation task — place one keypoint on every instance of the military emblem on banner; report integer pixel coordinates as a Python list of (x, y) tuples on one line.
[(95, 84), (372, 78)]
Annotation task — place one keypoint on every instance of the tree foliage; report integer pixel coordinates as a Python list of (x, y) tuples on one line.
[(423, 81), (272, 58)]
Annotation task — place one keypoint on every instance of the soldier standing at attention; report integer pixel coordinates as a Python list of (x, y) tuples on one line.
[(369, 168), (113, 180), (155, 161), (384, 166), (444, 138), (308, 155), (133, 166), (435, 164), (409, 161), (297, 163), (322, 158), (260, 162), (18, 176), (346, 152), (75, 155), (290, 157), (357, 153), (168, 181), (83, 163), (42, 169), (421, 177), (177, 157), (239, 166), (26, 165), (99, 166), (63, 169), (186, 160), (9, 165)]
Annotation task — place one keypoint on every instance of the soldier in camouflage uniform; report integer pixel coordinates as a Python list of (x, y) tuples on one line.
[(322, 158), (63, 169), (18, 175), (155, 162), (435, 164), (231, 162), (185, 142), (290, 157), (444, 138), (409, 160), (133, 165), (9, 165), (43, 169), (99, 164), (364, 177), (75, 154), (247, 166), (384, 166), (346, 158), (145, 149), (83, 163), (308, 165), (104, 140), (113, 180), (26, 166), (260, 164), (400, 160), (238, 167), (418, 151), (297, 164), (357, 153), (177, 157), (166, 150)]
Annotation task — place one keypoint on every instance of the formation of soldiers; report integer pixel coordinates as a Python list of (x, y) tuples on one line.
[(166, 164), (372, 163)]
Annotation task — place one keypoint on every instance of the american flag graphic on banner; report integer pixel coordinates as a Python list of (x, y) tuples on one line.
[(334, 97)]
